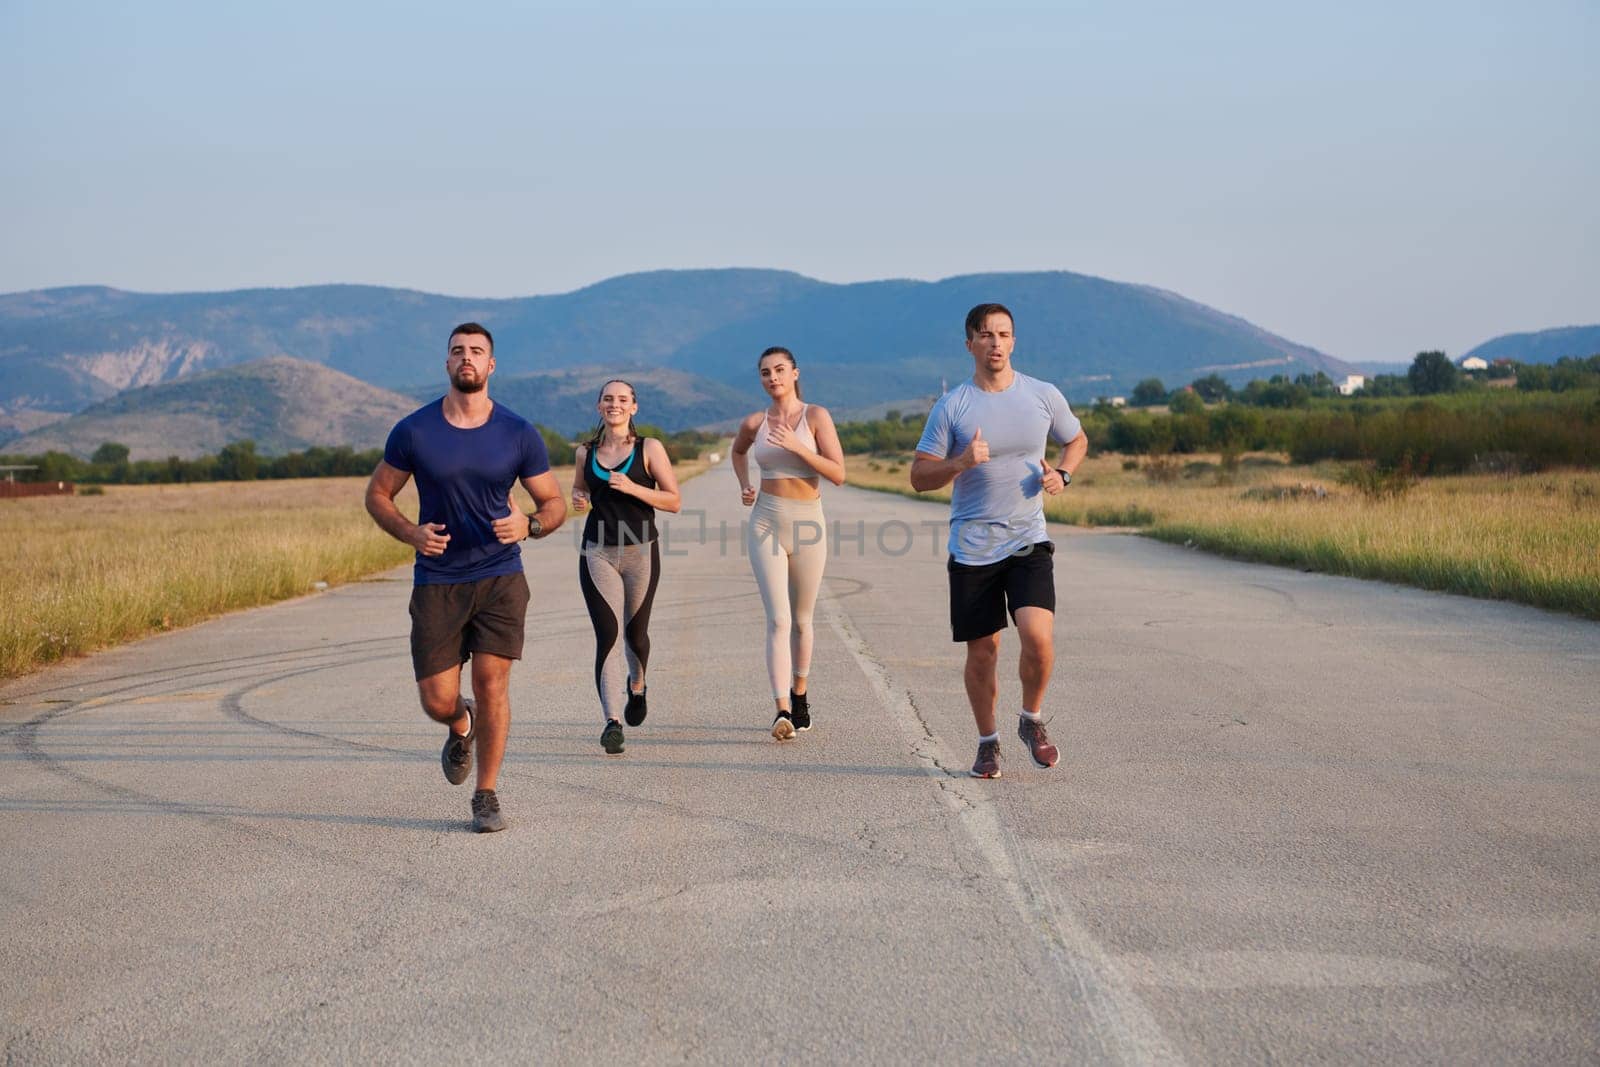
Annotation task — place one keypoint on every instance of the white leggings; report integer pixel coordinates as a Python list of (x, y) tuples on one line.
[(787, 544)]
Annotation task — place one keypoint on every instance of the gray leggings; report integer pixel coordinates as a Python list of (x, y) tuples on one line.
[(788, 545), (619, 585)]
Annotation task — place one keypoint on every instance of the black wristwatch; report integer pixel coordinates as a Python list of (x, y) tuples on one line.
[(535, 527), (1066, 475)]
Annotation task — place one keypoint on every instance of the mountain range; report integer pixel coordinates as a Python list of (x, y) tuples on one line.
[(1541, 346), (282, 404), (62, 349), (688, 339)]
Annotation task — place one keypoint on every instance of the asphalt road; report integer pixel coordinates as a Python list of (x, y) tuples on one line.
[(1297, 818)]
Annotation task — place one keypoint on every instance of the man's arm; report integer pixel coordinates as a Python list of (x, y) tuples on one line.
[(931, 472), (550, 511), (384, 485), (1072, 453)]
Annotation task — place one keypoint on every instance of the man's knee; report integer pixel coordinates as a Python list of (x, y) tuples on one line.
[(491, 676), (1038, 646), (1036, 630), (440, 698), (983, 652)]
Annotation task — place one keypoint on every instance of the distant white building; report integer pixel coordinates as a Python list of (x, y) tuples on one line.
[(1474, 363), (1114, 401), (1351, 383)]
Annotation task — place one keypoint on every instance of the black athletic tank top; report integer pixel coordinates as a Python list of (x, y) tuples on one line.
[(617, 518)]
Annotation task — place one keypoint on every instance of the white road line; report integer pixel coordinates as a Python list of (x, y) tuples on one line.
[(1126, 1030)]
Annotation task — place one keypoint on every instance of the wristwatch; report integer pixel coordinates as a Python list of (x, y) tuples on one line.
[(1066, 475), (535, 527)]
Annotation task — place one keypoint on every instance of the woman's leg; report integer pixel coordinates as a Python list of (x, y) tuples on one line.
[(603, 595), (770, 561), (641, 570), (805, 582)]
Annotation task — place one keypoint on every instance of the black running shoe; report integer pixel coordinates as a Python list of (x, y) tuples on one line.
[(636, 710), (486, 812), (457, 754), (783, 727), (799, 710), (611, 738)]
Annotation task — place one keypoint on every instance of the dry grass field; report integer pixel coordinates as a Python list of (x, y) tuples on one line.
[(86, 572), (1530, 538)]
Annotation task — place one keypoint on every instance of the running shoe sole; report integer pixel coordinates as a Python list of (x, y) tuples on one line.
[(783, 730)]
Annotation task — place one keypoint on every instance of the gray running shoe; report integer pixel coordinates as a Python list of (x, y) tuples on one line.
[(457, 754), (783, 727), (637, 709), (486, 812), (611, 738), (987, 764), (1039, 747)]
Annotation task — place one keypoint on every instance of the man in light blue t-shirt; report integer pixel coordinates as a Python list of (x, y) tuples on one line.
[(988, 436)]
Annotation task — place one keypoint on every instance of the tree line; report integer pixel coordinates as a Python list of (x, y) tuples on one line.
[(240, 462), (1430, 374), (1440, 433)]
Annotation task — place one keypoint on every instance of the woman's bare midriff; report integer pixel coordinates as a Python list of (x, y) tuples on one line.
[(791, 488)]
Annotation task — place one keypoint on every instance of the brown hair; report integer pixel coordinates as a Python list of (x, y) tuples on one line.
[(600, 430), (779, 350), (978, 315), (472, 327)]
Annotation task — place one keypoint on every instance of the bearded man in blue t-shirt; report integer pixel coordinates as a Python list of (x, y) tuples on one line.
[(469, 599), (988, 435)]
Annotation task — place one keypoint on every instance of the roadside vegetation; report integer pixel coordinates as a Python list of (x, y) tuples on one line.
[(1483, 483), (1533, 539), (117, 563)]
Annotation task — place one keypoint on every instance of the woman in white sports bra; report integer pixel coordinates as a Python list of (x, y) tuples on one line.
[(795, 446)]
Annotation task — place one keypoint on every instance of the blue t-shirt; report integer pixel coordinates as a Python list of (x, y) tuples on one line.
[(463, 480), (997, 508)]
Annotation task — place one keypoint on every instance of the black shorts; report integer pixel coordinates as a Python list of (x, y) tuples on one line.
[(980, 596), (450, 622)]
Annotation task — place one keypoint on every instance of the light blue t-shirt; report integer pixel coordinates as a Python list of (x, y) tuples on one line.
[(997, 508)]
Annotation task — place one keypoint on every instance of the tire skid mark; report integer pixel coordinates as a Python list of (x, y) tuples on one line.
[(232, 705), (187, 670)]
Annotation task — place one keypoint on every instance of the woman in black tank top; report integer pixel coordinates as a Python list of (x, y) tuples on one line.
[(624, 478)]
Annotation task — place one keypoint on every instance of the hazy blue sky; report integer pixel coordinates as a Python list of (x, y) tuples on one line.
[(1368, 178)]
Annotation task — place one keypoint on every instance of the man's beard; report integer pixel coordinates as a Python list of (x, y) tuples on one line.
[(468, 385)]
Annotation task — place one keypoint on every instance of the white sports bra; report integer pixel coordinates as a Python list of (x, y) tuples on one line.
[(778, 462)]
